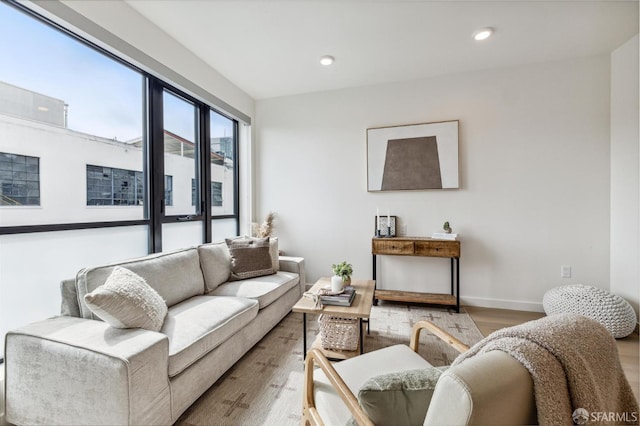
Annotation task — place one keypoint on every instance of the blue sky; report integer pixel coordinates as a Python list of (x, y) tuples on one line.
[(105, 98)]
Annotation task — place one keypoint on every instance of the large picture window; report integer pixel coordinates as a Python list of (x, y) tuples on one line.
[(87, 107), (93, 118)]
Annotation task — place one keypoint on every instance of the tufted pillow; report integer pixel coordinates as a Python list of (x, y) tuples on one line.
[(399, 398), (125, 300), (250, 258)]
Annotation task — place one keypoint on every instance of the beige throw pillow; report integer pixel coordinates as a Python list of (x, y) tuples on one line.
[(125, 300), (250, 258)]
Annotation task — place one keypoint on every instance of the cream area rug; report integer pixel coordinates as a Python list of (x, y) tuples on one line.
[(265, 386)]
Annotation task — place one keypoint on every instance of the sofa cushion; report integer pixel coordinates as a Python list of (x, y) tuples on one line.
[(198, 325), (264, 289), (249, 258), (176, 276), (274, 253), (215, 262), (125, 300)]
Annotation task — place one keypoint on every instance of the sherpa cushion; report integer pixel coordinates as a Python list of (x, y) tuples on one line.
[(249, 258), (400, 398), (125, 300)]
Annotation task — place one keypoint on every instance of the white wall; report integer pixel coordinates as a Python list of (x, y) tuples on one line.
[(625, 180), (534, 170)]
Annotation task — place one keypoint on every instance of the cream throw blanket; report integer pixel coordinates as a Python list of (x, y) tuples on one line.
[(573, 361)]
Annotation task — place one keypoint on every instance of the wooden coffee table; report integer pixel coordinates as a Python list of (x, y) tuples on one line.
[(360, 309)]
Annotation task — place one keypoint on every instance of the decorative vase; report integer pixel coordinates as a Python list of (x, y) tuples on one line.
[(336, 284)]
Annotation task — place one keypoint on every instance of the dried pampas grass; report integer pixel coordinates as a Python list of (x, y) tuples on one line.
[(266, 228)]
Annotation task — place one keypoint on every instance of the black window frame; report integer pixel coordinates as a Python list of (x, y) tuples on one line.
[(153, 163)]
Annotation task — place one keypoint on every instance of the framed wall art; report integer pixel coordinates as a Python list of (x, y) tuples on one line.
[(417, 156)]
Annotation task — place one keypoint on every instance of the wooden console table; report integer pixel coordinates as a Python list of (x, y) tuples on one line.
[(419, 246)]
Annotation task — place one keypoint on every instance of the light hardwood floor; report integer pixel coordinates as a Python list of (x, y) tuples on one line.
[(489, 320)]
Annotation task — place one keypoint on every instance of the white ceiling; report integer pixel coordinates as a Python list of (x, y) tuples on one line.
[(272, 48)]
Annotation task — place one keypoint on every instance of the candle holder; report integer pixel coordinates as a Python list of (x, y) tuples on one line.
[(385, 226)]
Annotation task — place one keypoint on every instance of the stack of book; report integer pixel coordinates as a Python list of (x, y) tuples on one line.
[(343, 299)]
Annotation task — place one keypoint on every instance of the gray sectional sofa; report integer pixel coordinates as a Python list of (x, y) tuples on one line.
[(77, 369)]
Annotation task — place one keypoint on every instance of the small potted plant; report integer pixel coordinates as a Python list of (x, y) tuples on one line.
[(341, 276), (446, 227)]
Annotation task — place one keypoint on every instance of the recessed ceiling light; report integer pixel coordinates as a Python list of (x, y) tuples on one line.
[(327, 60), (43, 108), (483, 34)]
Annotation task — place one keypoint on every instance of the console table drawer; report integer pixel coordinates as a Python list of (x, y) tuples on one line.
[(392, 247), (437, 248)]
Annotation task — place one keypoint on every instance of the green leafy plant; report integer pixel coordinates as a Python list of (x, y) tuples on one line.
[(343, 270), (446, 227)]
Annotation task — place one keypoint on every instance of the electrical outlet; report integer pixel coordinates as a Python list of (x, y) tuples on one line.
[(565, 271), (403, 229)]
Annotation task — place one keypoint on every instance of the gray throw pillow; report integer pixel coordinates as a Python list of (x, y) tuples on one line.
[(399, 398), (250, 258), (125, 300)]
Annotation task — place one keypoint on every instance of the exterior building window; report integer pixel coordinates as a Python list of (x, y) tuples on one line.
[(193, 192), (19, 180), (216, 194), (168, 190), (108, 186)]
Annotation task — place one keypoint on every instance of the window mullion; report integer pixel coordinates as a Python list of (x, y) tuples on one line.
[(205, 175), (155, 164)]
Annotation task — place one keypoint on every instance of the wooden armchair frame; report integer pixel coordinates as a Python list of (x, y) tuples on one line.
[(316, 357)]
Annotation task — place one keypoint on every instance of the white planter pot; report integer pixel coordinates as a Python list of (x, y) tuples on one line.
[(336, 284)]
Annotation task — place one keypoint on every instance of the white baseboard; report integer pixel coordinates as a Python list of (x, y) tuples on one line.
[(517, 305)]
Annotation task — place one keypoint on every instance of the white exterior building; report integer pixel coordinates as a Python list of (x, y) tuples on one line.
[(63, 156)]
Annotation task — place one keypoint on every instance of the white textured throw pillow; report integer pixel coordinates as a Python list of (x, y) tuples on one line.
[(125, 300)]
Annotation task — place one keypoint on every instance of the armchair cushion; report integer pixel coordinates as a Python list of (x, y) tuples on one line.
[(400, 398), (356, 372)]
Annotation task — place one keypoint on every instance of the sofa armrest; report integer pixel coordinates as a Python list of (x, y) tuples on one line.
[(69, 302), (67, 370), (296, 265)]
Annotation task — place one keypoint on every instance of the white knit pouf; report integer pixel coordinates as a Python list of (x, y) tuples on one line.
[(612, 311)]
